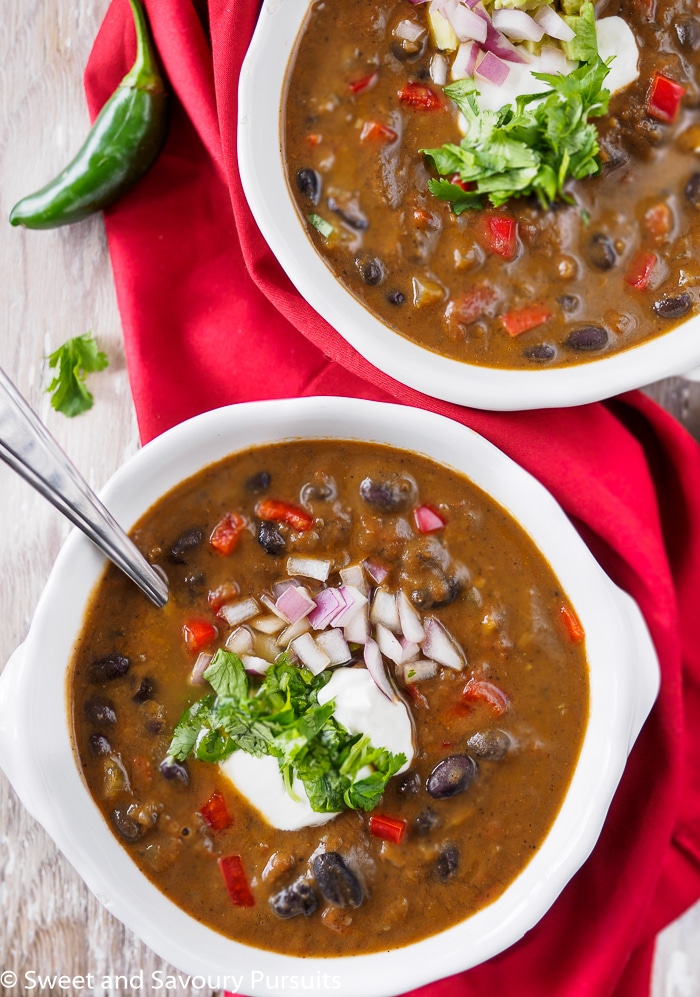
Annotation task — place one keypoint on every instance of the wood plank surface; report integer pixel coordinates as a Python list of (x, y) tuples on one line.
[(55, 285)]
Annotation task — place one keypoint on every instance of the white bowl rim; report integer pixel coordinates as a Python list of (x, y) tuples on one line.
[(260, 146), (48, 779)]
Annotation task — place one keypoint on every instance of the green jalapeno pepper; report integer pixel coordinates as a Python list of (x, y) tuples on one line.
[(123, 143)]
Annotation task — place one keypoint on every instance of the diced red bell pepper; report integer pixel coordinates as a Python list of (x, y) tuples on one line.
[(482, 691), (236, 881), (198, 634), (276, 511), (227, 533), (524, 319), (375, 131), (215, 813), (472, 305), (664, 99), (572, 624), (500, 234), (314, 139), (467, 185), (641, 270), (658, 220), (218, 597), (359, 86), (428, 519), (420, 97), (387, 828)]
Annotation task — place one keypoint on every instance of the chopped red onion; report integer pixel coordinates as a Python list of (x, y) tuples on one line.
[(408, 30), (295, 603), (495, 41), (279, 587), (376, 571), (357, 630), (240, 641), (409, 619), (236, 612), (388, 644), (441, 646), (271, 624), (265, 646), (302, 626), (200, 666), (419, 670), (466, 24), (310, 654), (517, 25), (328, 603), (492, 69), (309, 567), (464, 62), (375, 666), (272, 605), (354, 575), (353, 601), (252, 663), (334, 644), (438, 69), (553, 24), (384, 610), (409, 650)]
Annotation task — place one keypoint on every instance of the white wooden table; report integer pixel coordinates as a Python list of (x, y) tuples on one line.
[(54, 285)]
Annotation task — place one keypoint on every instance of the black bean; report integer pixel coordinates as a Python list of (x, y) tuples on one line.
[(688, 33), (170, 769), (451, 589), (309, 184), (195, 580), (258, 483), (126, 825), (299, 898), (185, 544), (371, 269), (100, 712), (350, 212), (338, 884), (692, 190), (99, 745), (270, 539), (674, 307), (601, 251), (490, 744), (541, 353), (113, 666), (409, 783), (395, 297), (451, 776), (144, 691), (588, 337), (427, 821), (569, 302), (447, 863), (393, 495), (153, 726)]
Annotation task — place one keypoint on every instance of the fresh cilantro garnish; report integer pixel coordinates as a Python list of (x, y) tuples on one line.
[(282, 717), (533, 148), (77, 358), (321, 225)]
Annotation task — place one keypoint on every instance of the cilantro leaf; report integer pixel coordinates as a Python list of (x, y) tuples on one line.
[(532, 148), (283, 718), (73, 361)]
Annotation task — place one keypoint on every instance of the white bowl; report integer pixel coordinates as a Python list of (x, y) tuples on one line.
[(35, 737), (260, 145)]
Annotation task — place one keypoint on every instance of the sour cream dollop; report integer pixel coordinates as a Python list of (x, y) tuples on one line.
[(362, 709)]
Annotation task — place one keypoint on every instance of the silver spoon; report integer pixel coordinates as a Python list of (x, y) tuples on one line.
[(28, 447)]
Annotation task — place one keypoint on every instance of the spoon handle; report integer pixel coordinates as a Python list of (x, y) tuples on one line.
[(28, 447)]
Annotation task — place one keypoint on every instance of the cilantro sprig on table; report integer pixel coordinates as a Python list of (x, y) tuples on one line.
[(532, 148), (283, 718), (72, 362)]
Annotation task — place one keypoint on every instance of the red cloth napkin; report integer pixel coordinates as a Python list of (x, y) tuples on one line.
[(210, 319)]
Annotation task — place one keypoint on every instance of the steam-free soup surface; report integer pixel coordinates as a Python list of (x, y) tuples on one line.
[(496, 732)]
